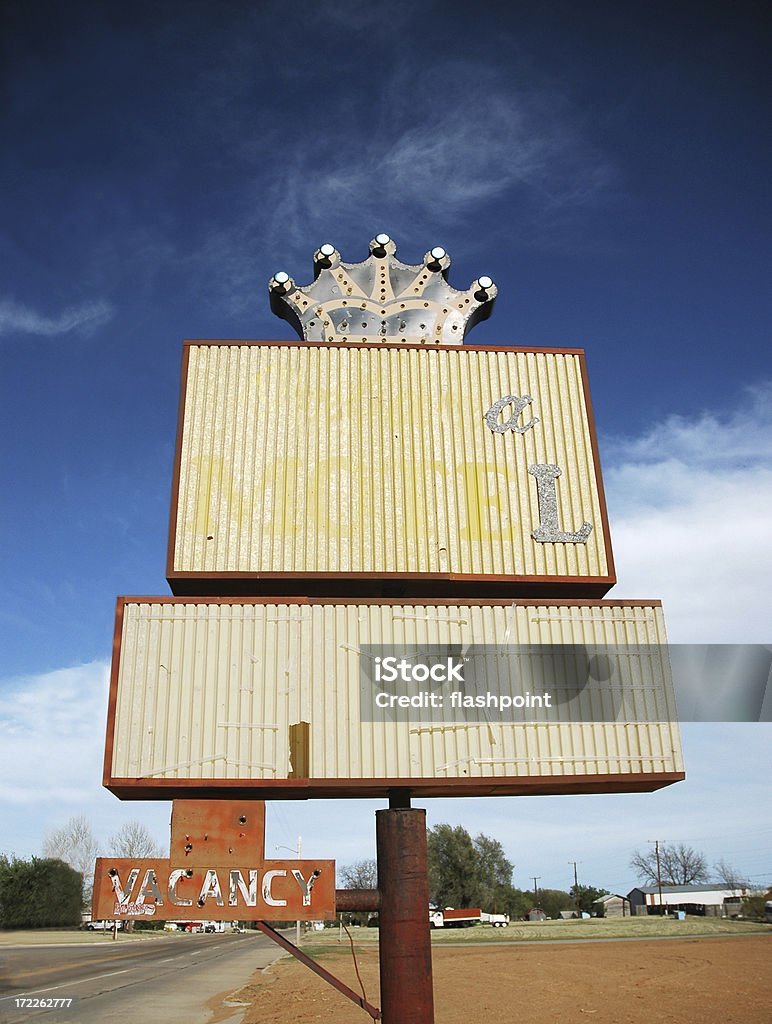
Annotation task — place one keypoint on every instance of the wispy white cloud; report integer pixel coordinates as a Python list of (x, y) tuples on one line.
[(421, 152), (440, 144), (18, 319), (690, 505), (739, 439), (51, 720), (52, 729)]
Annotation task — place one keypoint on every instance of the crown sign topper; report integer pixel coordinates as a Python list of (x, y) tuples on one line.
[(381, 299)]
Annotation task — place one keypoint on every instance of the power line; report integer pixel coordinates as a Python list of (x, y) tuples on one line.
[(718, 835)]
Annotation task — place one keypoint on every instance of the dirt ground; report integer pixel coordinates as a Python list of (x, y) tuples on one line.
[(673, 981)]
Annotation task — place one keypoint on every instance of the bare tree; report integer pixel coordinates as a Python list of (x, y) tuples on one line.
[(361, 875), (730, 876), (134, 840), (76, 845), (679, 865)]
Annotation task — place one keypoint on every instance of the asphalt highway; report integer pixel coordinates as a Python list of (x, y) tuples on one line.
[(168, 980)]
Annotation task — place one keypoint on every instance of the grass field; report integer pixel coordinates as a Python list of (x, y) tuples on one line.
[(520, 931), (67, 936), (602, 928), (551, 931)]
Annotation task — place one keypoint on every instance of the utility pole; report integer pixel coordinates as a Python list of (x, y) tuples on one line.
[(535, 891), (576, 889), (659, 873), (298, 851), (298, 925)]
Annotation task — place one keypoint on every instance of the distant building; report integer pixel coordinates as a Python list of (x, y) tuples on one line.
[(612, 905), (706, 900)]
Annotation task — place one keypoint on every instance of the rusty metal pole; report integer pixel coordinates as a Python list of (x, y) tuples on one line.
[(405, 942)]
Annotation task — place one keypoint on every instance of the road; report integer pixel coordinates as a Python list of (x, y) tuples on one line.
[(170, 980)]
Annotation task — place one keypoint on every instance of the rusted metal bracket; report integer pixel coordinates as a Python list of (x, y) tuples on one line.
[(304, 958), (357, 900)]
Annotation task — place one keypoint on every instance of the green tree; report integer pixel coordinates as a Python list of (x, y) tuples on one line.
[(585, 896), (552, 901), (466, 872), (517, 903), (495, 874), (454, 869), (754, 907), (39, 893)]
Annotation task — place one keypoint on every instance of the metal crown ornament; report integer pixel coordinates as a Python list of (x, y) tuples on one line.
[(381, 299)]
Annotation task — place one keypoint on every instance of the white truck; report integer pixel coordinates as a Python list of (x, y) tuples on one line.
[(496, 920), (452, 918)]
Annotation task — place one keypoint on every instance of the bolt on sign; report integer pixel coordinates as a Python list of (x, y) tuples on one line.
[(381, 451)]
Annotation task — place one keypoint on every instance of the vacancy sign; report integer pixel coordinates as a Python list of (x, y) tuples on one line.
[(216, 870), (131, 889)]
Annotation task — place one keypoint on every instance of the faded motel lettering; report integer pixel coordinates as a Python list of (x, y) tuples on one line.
[(548, 530)]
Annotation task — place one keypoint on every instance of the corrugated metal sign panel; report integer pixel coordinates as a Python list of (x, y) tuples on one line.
[(234, 697), (383, 461)]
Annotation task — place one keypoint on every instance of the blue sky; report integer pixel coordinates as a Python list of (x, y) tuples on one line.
[(608, 167)]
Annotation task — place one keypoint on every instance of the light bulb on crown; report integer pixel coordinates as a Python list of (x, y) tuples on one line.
[(381, 299)]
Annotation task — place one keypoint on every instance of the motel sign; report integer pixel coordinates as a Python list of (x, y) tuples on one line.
[(377, 483)]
